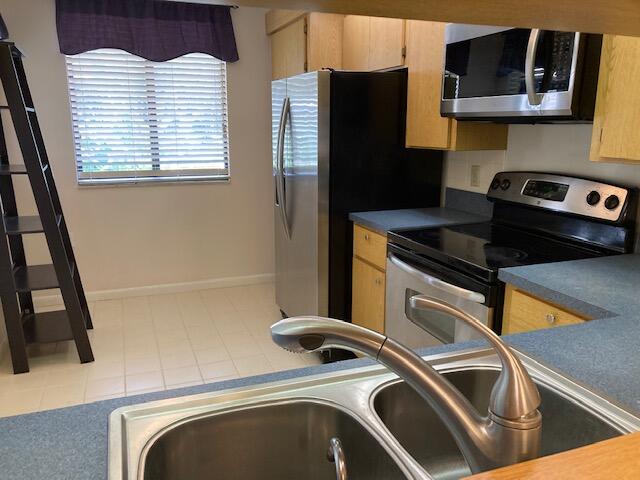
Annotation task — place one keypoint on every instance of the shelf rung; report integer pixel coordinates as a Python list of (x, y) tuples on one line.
[(25, 224), (47, 327), (12, 169), (36, 277)]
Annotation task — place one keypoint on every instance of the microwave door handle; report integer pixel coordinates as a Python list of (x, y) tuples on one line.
[(530, 67), (437, 283), (281, 200)]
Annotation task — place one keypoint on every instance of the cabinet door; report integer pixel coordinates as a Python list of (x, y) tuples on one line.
[(324, 41), (355, 47), (617, 115), (289, 50), (524, 312), (426, 128), (386, 43), (368, 291), (424, 60)]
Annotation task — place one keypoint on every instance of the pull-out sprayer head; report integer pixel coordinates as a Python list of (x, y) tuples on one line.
[(308, 334)]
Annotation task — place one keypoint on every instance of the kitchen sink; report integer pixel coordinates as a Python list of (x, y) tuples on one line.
[(282, 429), (287, 440), (566, 423)]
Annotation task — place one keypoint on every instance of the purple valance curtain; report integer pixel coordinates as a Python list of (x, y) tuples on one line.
[(157, 30)]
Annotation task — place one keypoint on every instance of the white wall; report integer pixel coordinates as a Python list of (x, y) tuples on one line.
[(138, 236), (551, 148), (150, 235)]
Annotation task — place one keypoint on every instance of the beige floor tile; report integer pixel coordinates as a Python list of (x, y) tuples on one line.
[(177, 360), (230, 323), (252, 365), (240, 345), (20, 402), (24, 381), (225, 369), (63, 396), (134, 365), (103, 387), (101, 369), (68, 376), (146, 390), (144, 381), (165, 337), (181, 376), (136, 310), (210, 355)]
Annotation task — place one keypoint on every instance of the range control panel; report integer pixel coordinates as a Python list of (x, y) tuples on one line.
[(573, 195)]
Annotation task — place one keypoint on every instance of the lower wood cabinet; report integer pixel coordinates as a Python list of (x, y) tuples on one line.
[(368, 292), (524, 312)]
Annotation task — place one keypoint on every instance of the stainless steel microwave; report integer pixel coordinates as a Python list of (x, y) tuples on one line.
[(519, 74)]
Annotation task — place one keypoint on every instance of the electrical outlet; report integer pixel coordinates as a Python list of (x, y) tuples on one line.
[(475, 176)]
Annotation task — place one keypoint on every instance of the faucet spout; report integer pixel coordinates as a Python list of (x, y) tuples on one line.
[(486, 441)]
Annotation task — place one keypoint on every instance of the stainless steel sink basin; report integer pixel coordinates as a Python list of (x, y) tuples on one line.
[(282, 429), (281, 441), (566, 423)]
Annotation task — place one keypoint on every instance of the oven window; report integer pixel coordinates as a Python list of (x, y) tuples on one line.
[(435, 323), (494, 65)]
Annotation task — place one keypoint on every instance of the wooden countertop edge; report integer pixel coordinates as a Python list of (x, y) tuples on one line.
[(617, 458)]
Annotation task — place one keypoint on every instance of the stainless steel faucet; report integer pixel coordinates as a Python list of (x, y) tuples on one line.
[(510, 432)]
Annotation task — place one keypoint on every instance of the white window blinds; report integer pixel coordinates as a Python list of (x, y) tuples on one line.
[(137, 121)]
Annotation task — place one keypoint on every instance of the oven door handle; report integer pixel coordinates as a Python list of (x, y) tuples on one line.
[(436, 282)]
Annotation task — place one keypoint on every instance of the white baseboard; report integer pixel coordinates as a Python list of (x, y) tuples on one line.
[(49, 300)]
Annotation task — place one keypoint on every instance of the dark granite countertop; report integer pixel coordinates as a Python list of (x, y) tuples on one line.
[(385, 220), (71, 443)]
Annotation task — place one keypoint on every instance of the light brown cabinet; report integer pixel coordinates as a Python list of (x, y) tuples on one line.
[(372, 43), (368, 282), (524, 312), (615, 136), (425, 127), (303, 42), (368, 288)]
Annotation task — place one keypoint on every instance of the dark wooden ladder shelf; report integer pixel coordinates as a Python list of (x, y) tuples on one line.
[(17, 279)]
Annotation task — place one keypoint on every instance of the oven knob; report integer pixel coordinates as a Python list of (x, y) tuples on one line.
[(506, 183), (495, 184), (612, 202), (593, 198)]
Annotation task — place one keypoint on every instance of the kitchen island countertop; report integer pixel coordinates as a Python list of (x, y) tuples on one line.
[(71, 443)]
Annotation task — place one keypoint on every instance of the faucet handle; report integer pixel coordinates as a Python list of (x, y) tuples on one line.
[(514, 397)]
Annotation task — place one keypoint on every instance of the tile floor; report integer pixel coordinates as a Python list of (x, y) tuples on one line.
[(145, 344)]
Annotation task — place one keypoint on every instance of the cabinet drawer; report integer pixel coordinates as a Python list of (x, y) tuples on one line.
[(524, 312), (368, 293), (370, 246)]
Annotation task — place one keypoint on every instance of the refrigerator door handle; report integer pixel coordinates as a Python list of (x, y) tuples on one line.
[(281, 199)]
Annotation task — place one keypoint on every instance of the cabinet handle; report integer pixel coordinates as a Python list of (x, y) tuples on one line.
[(378, 281), (551, 318), (366, 236)]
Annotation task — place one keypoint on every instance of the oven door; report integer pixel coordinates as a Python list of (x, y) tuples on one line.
[(505, 72), (405, 280)]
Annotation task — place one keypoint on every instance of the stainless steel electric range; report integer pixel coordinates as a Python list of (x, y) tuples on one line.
[(537, 218)]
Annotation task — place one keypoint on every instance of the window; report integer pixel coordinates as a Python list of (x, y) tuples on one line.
[(137, 121)]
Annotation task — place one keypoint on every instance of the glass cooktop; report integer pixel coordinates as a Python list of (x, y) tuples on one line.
[(480, 249)]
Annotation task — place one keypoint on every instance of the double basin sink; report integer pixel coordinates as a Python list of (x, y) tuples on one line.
[(281, 430)]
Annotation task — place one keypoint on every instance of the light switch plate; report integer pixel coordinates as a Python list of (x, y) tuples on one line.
[(474, 176)]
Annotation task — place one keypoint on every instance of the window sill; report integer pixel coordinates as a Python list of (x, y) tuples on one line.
[(149, 181)]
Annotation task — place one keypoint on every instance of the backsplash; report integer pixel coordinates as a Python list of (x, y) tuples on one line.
[(546, 148)]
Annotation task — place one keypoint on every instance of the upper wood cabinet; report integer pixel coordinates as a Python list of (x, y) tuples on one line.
[(303, 42), (616, 137), (425, 127), (289, 50), (372, 43)]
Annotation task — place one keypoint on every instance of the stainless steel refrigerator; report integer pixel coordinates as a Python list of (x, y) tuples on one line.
[(338, 147)]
